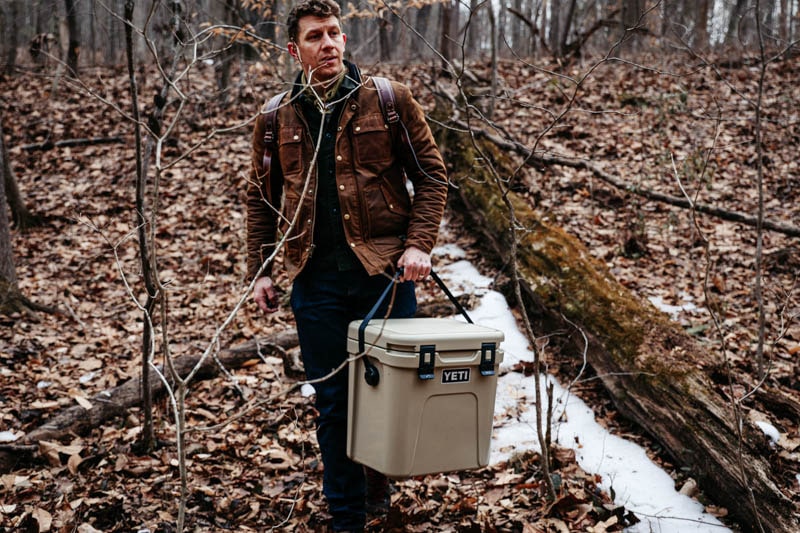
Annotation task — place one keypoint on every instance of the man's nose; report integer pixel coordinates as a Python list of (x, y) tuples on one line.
[(327, 40)]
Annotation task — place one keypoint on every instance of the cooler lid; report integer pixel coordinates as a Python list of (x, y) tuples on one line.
[(447, 334)]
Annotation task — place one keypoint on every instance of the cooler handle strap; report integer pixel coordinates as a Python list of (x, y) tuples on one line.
[(371, 374), (450, 296), (375, 307), (371, 314)]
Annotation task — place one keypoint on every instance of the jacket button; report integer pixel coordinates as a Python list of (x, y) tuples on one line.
[(338, 158), (296, 137), (347, 216), (341, 187), (352, 245), (386, 126), (339, 128), (358, 128), (391, 206), (353, 107)]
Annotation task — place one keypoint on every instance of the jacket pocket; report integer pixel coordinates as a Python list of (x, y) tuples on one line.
[(290, 149), (396, 197), (386, 213), (372, 142)]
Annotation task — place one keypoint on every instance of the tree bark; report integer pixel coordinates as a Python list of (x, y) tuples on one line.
[(445, 38), (20, 214), (630, 19), (13, 36), (74, 37), (8, 273), (651, 368)]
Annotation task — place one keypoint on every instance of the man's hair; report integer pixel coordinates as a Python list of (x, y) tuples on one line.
[(314, 8)]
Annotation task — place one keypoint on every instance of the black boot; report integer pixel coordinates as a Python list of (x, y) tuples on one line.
[(378, 493)]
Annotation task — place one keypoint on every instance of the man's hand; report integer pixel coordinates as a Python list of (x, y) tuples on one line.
[(265, 295), (415, 263)]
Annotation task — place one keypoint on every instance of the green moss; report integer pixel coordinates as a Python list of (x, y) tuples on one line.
[(562, 273)]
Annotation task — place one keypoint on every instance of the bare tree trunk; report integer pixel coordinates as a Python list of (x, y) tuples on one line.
[(567, 27), (21, 215), (474, 31), (495, 66), (423, 22), (93, 33), (147, 442), (74, 38), (227, 56), (734, 22), (8, 273), (629, 21), (12, 18), (554, 33), (384, 37), (700, 40), (516, 26), (445, 40), (785, 32)]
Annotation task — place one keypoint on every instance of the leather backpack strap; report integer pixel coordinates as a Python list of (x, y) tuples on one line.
[(271, 129), (386, 99)]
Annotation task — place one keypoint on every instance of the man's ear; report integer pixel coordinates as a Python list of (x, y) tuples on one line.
[(344, 38), (292, 47)]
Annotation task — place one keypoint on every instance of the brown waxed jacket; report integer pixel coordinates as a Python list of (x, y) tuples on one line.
[(379, 217)]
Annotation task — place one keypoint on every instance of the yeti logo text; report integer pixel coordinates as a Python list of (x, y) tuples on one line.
[(456, 375)]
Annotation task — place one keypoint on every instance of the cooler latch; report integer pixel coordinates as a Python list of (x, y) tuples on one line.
[(488, 353), (427, 357)]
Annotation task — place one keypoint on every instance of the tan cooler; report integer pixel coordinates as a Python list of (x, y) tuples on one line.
[(431, 402)]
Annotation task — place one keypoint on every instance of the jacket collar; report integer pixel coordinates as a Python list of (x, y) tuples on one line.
[(352, 80)]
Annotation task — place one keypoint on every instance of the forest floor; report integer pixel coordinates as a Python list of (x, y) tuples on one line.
[(669, 126)]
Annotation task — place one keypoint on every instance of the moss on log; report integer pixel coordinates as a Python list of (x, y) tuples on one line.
[(649, 365)]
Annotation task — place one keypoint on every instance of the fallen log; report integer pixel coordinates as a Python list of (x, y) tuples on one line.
[(596, 170), (68, 143), (117, 401), (651, 368)]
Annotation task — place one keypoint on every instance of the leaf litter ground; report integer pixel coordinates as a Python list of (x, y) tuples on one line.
[(262, 471)]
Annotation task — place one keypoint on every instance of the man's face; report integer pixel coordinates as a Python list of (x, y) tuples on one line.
[(319, 47)]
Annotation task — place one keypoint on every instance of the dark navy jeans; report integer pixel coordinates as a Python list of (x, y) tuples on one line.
[(324, 304)]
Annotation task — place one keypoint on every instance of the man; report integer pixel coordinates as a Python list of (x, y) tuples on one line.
[(335, 191)]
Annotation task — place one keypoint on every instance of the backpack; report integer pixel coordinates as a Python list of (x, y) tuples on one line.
[(386, 100)]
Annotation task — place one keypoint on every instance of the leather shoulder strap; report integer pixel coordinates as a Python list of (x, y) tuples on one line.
[(386, 99), (270, 131), (272, 117)]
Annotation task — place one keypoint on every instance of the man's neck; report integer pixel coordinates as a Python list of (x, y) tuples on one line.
[(325, 85)]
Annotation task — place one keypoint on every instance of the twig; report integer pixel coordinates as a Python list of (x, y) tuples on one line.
[(544, 160)]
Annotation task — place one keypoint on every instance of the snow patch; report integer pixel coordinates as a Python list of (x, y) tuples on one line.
[(7, 436), (674, 310), (637, 482), (770, 431)]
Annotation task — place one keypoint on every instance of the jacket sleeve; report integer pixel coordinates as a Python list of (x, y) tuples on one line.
[(425, 168), (263, 201)]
